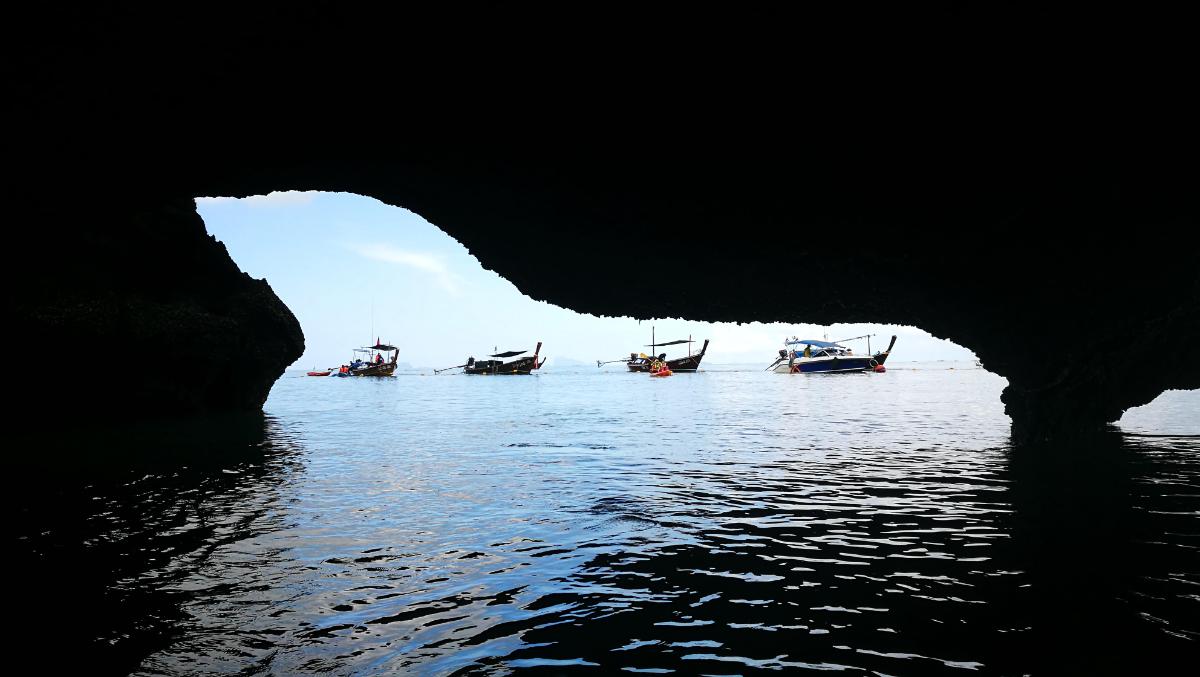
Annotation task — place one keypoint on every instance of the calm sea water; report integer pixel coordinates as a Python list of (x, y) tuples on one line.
[(594, 521)]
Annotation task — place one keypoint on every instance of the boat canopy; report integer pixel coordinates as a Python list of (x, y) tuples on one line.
[(509, 353), (812, 342), (669, 343), (380, 346)]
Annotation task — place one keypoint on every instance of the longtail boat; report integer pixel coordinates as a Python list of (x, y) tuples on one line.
[(494, 367), (372, 361), (642, 362)]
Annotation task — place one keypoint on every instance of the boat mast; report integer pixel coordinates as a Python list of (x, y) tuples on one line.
[(371, 354)]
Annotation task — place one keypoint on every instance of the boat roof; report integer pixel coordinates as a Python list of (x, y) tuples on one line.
[(813, 342), (509, 353), (379, 346), (669, 343)]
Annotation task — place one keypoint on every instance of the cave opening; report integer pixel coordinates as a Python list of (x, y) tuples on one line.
[(354, 269)]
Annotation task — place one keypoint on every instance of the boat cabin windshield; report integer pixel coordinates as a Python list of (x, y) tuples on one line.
[(815, 348)]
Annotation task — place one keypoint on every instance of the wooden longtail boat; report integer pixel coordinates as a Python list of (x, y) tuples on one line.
[(374, 364), (496, 367), (642, 362)]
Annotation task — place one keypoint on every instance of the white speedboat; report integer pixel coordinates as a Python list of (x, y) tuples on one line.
[(810, 356)]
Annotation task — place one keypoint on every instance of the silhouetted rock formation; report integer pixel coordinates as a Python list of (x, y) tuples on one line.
[(1012, 208), (132, 310)]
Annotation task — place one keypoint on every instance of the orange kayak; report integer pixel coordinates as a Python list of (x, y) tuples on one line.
[(318, 373), (664, 372)]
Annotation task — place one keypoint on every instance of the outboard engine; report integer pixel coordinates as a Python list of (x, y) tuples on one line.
[(470, 361), (782, 354), (633, 356)]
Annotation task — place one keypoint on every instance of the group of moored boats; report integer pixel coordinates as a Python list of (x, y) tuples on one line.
[(799, 356)]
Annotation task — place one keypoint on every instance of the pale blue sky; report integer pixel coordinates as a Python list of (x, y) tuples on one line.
[(332, 257)]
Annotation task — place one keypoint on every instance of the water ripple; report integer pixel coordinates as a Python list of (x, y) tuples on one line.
[(719, 523)]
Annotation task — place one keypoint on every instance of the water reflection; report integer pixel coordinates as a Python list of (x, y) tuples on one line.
[(1109, 534), (1060, 563), (589, 538), (846, 565), (114, 525)]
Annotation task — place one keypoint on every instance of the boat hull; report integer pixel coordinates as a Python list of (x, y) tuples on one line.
[(831, 365), (384, 369), (689, 363), (682, 364), (521, 367)]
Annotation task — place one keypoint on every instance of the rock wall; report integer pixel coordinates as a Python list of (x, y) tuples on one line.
[(1039, 210), (131, 310)]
